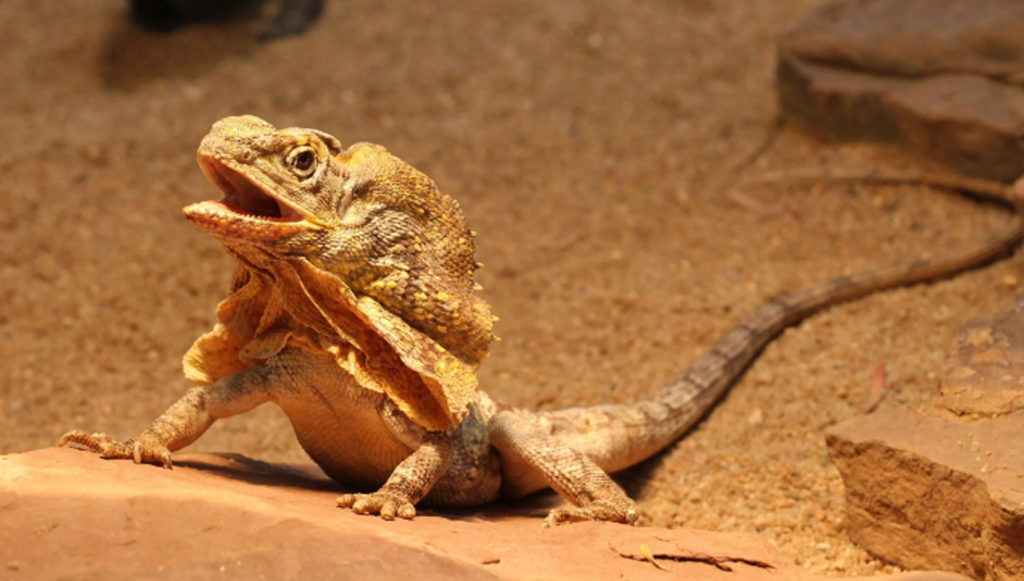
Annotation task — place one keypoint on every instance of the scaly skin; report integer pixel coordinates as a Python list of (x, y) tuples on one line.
[(353, 310)]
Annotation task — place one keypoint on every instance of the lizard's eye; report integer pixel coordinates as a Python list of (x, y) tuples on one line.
[(302, 161)]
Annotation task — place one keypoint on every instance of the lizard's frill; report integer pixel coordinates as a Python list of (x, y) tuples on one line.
[(379, 349), (423, 273), (427, 382), (216, 354)]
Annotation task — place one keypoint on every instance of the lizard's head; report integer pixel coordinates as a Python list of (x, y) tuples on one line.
[(360, 214), (277, 185)]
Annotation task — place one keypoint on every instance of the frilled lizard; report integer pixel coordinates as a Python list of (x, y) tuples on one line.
[(353, 309)]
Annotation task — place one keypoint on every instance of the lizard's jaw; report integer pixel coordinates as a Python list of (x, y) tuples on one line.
[(247, 210)]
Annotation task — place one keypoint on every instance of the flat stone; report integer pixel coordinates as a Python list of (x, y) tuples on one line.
[(944, 487), (69, 514), (939, 76)]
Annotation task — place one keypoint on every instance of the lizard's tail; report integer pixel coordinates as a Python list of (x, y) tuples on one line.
[(618, 436)]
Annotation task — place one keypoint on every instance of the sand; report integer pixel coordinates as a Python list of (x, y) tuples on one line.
[(587, 142)]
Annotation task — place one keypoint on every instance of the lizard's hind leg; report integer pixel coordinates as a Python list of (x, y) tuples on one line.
[(527, 451)]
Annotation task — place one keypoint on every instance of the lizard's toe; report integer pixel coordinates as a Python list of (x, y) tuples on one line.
[(407, 511), (601, 510), (386, 505), (631, 517), (141, 449), (387, 510), (90, 441), (150, 453), (369, 504)]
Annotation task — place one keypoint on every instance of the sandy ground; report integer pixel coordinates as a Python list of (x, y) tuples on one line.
[(585, 141)]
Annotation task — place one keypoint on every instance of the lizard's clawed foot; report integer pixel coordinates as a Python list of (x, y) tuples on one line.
[(601, 510), (385, 504), (141, 449)]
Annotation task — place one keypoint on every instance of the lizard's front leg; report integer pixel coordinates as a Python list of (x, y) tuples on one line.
[(525, 446), (433, 453), (184, 421)]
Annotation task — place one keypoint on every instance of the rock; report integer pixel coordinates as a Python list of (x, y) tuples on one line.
[(985, 375), (939, 76), (915, 38), (924, 492), (68, 513), (944, 488)]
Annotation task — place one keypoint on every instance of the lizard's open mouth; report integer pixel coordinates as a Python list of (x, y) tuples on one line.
[(244, 198)]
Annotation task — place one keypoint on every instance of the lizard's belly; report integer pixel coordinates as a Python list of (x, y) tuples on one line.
[(339, 424), (336, 420)]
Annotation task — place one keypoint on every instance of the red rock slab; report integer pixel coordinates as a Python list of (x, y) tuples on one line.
[(938, 76), (69, 514), (926, 492)]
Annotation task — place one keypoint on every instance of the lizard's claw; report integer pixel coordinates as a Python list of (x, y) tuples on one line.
[(141, 449), (385, 504), (600, 510)]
